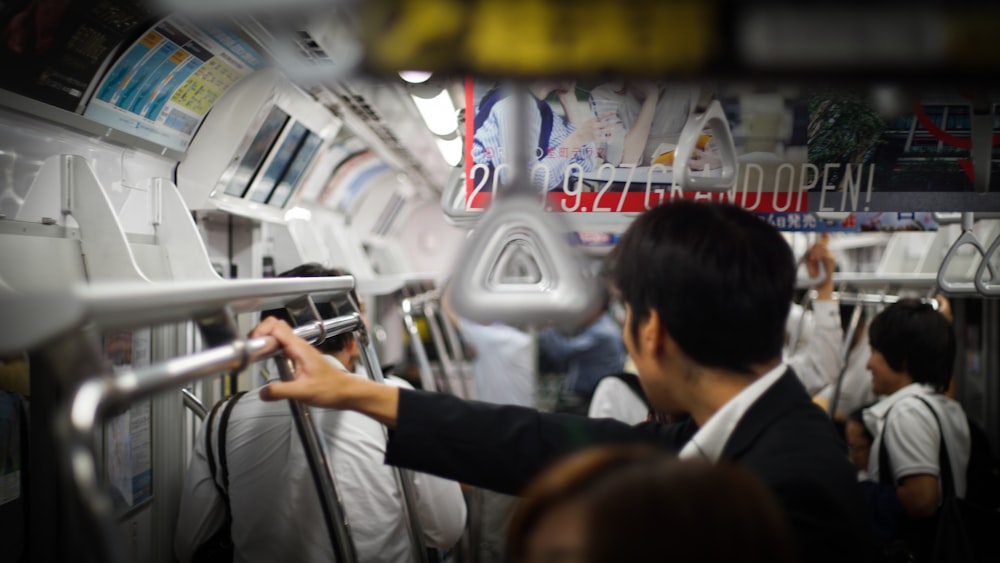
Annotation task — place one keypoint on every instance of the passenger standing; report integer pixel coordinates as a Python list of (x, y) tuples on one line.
[(707, 288), (913, 353), (504, 370), (594, 351), (276, 513)]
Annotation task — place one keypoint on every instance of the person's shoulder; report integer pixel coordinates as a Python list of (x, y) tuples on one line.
[(397, 381)]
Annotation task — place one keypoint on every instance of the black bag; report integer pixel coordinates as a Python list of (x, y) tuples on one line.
[(219, 547), (983, 476), (960, 531)]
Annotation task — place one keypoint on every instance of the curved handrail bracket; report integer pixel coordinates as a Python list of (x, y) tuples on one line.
[(561, 295), (715, 119)]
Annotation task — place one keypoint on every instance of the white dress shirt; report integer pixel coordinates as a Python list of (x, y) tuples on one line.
[(504, 364), (613, 398), (708, 442), (818, 359), (276, 511)]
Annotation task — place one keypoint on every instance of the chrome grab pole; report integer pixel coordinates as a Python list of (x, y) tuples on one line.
[(78, 419)]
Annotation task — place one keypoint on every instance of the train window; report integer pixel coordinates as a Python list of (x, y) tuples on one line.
[(262, 143), (279, 163), (296, 171)]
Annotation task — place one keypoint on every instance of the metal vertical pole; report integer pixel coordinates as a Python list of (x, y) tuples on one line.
[(333, 512)]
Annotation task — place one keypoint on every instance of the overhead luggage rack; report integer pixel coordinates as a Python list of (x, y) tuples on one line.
[(59, 330)]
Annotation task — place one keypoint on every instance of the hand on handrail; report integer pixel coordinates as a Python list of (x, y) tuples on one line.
[(820, 265), (319, 384)]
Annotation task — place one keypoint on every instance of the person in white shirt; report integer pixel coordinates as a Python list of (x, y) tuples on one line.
[(504, 372), (276, 512), (618, 398), (913, 351), (815, 356)]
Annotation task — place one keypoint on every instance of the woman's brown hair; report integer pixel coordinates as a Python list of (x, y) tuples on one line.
[(566, 480), (686, 511)]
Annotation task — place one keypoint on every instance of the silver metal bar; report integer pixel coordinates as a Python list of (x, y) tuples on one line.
[(845, 353), (881, 299), (423, 364), (877, 281), (795, 337), (193, 404), (404, 478), (456, 347), (78, 419), (32, 318), (447, 366), (337, 525)]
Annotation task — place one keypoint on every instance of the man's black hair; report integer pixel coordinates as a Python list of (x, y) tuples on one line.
[(333, 344), (915, 338), (720, 279)]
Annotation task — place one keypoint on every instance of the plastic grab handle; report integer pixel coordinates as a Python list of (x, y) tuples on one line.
[(984, 287), (961, 288), (715, 119)]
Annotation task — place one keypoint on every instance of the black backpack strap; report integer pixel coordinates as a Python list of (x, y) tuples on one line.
[(944, 460), (223, 427), (209, 450)]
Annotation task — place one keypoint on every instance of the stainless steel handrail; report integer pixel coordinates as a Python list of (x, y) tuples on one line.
[(36, 317), (417, 346), (404, 477), (96, 397), (878, 281), (194, 404), (845, 353), (876, 299)]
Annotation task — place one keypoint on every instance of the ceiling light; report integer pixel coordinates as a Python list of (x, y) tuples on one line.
[(451, 150), (438, 112), (414, 76)]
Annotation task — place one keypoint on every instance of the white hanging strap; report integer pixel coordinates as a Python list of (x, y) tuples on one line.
[(515, 232), (986, 283), (968, 237), (715, 119)]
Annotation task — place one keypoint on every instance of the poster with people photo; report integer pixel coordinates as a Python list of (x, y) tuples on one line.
[(608, 146)]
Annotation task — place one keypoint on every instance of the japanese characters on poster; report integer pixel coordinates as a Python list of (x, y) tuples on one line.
[(127, 436), (165, 83)]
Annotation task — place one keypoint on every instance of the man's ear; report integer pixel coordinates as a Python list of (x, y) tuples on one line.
[(651, 335)]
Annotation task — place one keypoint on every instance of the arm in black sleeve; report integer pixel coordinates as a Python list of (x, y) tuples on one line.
[(501, 447)]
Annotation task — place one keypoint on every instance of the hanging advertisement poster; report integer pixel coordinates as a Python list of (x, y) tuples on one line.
[(127, 436), (609, 147), (911, 158), (55, 50), (163, 85), (836, 222)]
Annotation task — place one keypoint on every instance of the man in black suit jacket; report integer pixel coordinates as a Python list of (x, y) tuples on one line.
[(707, 288)]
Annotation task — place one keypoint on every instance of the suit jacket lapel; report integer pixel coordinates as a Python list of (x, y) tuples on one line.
[(785, 394)]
